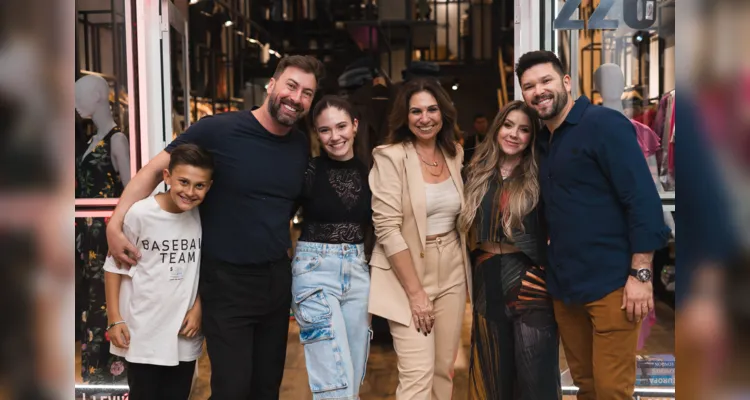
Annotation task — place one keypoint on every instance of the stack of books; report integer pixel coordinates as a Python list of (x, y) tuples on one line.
[(655, 370)]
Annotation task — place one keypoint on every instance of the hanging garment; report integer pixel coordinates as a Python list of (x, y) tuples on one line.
[(96, 178), (648, 141)]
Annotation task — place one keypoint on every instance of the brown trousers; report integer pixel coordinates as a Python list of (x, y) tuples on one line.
[(600, 346)]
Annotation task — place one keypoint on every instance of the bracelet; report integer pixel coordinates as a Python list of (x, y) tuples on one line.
[(115, 323)]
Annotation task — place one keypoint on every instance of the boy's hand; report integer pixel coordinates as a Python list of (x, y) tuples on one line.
[(119, 335), (191, 325)]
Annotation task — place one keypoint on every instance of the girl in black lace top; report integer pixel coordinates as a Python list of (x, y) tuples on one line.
[(331, 279), (336, 201)]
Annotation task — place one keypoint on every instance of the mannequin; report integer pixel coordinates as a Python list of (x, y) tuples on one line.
[(92, 102), (101, 172), (610, 83)]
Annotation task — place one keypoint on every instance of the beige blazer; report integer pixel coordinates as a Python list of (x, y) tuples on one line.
[(400, 219)]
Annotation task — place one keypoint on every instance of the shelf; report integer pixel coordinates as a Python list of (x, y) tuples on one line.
[(667, 195), (668, 201)]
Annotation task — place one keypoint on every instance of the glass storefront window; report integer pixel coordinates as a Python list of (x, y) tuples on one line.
[(644, 55), (106, 131)]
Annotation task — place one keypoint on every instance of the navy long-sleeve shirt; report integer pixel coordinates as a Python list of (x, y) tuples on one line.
[(601, 203)]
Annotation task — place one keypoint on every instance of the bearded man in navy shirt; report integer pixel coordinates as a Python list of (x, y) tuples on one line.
[(604, 219)]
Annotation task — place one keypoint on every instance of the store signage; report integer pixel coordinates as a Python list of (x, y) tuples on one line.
[(102, 392), (636, 14)]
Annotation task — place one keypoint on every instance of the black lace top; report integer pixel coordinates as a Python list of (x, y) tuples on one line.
[(336, 201)]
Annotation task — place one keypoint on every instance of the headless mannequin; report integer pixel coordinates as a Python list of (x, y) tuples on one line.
[(92, 102), (610, 83)]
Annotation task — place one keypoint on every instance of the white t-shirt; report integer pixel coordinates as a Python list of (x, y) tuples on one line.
[(156, 294)]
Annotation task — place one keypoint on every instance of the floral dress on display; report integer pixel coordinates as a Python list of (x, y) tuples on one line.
[(96, 178)]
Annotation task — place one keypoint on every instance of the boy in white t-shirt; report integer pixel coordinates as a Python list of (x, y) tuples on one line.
[(153, 308)]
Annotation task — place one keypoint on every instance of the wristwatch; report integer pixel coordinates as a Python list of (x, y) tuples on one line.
[(643, 274)]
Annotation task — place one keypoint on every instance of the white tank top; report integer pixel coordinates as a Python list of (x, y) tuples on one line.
[(443, 206)]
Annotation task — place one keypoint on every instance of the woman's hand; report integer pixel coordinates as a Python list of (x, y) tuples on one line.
[(421, 312)]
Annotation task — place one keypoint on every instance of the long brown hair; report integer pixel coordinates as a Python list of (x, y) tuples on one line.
[(398, 121), (519, 194)]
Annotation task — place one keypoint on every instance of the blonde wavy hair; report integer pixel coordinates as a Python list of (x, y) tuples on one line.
[(520, 190)]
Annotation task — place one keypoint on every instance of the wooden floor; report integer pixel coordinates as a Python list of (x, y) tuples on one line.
[(382, 377)]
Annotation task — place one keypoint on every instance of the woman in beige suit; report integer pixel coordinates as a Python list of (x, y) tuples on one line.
[(420, 266)]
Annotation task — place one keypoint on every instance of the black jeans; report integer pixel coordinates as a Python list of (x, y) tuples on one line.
[(246, 324), (159, 382)]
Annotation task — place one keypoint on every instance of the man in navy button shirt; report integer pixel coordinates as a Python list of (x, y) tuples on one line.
[(604, 220)]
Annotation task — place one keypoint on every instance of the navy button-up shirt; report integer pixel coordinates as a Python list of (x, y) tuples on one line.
[(600, 202)]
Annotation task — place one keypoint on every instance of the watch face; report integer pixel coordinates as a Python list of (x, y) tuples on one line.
[(644, 275)]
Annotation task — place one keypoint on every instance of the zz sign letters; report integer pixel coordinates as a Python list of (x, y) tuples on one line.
[(637, 14)]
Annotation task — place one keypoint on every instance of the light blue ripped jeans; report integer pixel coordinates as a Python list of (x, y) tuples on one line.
[(330, 288)]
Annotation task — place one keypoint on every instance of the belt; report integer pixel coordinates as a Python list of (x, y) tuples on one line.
[(498, 248)]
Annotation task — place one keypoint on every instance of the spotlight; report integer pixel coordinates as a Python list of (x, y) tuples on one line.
[(194, 1), (455, 86), (228, 23), (640, 37)]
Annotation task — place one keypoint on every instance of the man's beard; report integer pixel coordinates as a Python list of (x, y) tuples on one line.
[(274, 108), (559, 100)]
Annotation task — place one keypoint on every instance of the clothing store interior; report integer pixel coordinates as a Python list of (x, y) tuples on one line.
[(169, 63)]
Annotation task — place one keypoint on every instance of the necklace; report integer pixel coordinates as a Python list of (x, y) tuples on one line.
[(433, 164), (439, 172), (429, 164)]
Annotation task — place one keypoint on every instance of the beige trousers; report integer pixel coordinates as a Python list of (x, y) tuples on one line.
[(425, 363)]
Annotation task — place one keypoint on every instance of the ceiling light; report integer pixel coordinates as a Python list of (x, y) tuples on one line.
[(228, 23)]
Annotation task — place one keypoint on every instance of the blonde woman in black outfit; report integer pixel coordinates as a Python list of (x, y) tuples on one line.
[(514, 350)]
